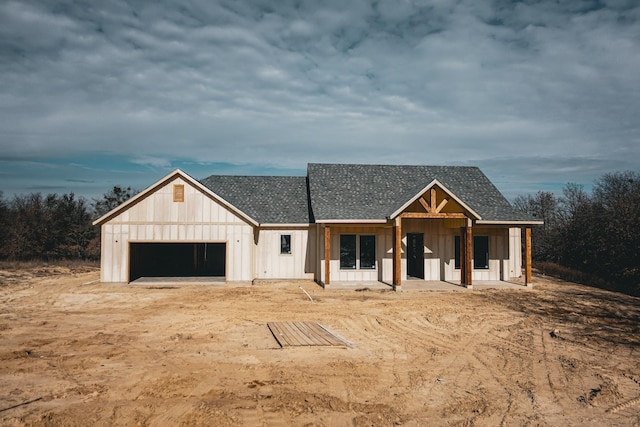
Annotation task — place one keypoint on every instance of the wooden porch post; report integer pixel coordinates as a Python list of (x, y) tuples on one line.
[(397, 254), (327, 255), (463, 255), (527, 257), (468, 258)]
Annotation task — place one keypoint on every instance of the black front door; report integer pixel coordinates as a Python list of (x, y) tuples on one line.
[(415, 255)]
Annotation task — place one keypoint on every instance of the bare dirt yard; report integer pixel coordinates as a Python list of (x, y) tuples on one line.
[(77, 352)]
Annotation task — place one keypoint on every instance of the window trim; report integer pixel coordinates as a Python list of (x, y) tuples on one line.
[(456, 255), (290, 251)]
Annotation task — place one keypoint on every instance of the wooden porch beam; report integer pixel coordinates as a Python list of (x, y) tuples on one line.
[(397, 254), (434, 206), (327, 255), (424, 204), (431, 215), (441, 205), (527, 256)]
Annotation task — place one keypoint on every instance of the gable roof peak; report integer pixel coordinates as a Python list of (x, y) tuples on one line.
[(168, 178)]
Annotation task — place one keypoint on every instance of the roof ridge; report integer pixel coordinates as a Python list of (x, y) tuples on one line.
[(256, 176), (393, 165)]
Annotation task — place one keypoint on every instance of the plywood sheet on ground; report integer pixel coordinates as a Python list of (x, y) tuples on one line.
[(296, 334)]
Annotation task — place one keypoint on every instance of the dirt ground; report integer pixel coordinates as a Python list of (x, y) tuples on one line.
[(77, 352)]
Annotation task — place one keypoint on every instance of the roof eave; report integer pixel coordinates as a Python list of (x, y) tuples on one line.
[(285, 225), (351, 221), (518, 222)]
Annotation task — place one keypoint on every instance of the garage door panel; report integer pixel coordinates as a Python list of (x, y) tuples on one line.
[(177, 260)]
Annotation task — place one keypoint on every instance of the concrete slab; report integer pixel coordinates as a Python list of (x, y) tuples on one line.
[(431, 285), (427, 285), (358, 286), (179, 281)]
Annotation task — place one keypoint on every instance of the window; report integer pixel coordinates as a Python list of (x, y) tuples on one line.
[(178, 193), (367, 252), (348, 251), (285, 243), (363, 246), (480, 252)]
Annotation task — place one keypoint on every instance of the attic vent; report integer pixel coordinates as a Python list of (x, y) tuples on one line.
[(178, 193)]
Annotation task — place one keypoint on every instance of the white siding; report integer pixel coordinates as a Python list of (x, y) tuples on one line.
[(384, 255), (157, 218), (498, 255), (200, 218), (439, 261), (515, 252), (299, 264), (438, 247)]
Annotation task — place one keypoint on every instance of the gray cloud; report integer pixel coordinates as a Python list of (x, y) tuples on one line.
[(496, 83)]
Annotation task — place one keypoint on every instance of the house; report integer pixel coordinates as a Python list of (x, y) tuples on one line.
[(339, 223)]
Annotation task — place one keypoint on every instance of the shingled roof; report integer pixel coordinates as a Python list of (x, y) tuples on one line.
[(374, 192), (266, 199), (351, 192)]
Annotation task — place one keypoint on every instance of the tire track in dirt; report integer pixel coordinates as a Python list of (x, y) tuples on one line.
[(507, 387), (402, 334), (505, 343), (543, 375), (472, 359), (624, 405), (419, 332), (395, 343), (457, 379)]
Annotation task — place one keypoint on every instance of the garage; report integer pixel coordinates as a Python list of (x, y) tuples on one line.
[(177, 260)]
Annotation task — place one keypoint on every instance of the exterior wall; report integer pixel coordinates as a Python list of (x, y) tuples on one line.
[(498, 256), (439, 257), (438, 247), (515, 253), (300, 264), (157, 218), (384, 255)]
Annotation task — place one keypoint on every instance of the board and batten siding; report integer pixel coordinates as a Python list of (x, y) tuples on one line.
[(439, 261), (438, 247), (500, 261), (384, 255), (157, 218), (515, 252), (299, 264)]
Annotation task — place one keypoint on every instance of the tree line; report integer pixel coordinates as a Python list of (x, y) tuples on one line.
[(54, 227), (597, 234)]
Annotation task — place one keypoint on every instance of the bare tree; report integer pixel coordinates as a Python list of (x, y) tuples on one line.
[(596, 234), (112, 199)]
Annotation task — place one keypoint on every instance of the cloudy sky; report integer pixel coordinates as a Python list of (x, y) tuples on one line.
[(96, 94)]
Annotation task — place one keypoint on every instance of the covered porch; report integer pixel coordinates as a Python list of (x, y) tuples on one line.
[(433, 241)]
